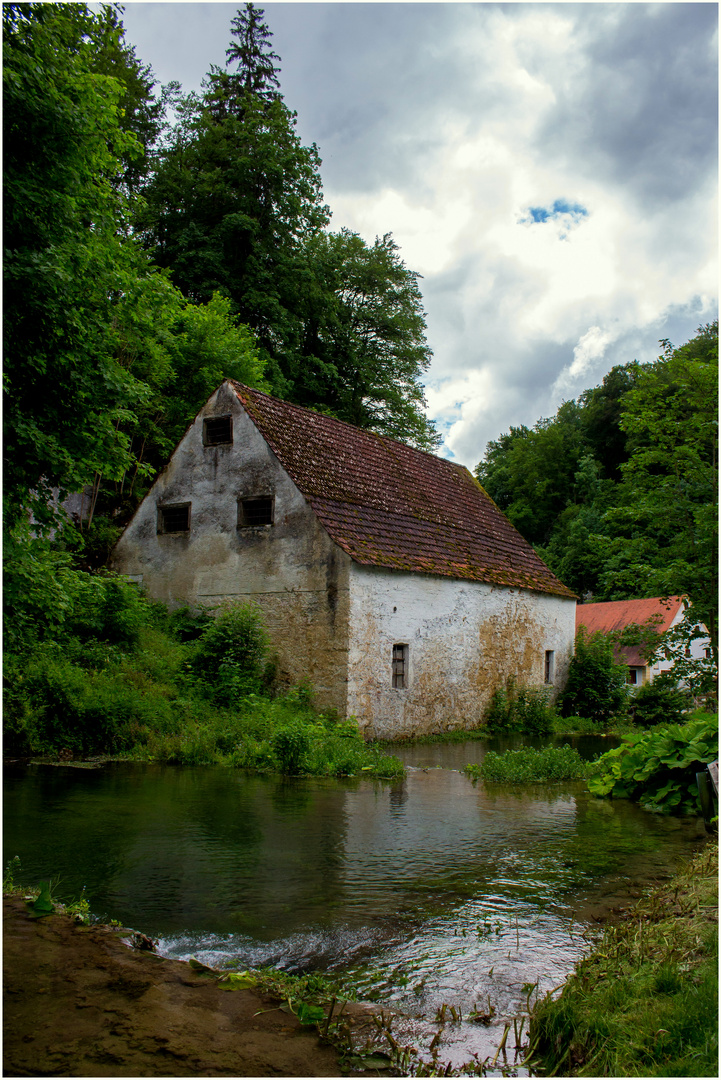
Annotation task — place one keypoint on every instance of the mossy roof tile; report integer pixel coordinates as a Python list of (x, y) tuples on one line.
[(386, 504)]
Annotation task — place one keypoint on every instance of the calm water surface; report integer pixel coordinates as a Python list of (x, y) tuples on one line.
[(427, 891)]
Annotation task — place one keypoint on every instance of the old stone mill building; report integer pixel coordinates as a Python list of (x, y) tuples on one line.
[(385, 575)]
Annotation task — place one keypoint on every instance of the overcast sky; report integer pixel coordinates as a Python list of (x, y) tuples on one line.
[(550, 170)]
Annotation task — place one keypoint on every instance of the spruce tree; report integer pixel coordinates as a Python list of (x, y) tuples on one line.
[(252, 52)]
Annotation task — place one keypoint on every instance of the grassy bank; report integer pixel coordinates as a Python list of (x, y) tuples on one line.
[(126, 678), (644, 1002)]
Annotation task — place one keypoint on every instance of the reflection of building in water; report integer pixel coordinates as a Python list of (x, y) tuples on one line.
[(398, 797), (443, 830)]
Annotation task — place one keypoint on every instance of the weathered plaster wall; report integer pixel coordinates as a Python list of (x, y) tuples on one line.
[(465, 640), (291, 568)]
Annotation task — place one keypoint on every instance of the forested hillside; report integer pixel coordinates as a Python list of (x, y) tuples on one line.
[(617, 491)]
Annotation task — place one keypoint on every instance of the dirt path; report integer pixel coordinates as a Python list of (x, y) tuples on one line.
[(78, 1002)]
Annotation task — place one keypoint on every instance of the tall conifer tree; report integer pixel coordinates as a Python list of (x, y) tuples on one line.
[(236, 206)]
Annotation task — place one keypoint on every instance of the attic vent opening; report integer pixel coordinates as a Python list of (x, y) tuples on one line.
[(253, 512), (400, 667), (174, 519), (217, 430)]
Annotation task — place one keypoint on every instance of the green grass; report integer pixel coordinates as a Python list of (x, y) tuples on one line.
[(644, 1002), (528, 765)]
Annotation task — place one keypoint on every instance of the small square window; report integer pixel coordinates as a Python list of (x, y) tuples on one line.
[(174, 519), (253, 512), (400, 667), (548, 667), (217, 430)]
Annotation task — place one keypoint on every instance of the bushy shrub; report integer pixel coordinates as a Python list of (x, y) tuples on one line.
[(524, 709), (107, 608), (290, 747), (232, 653), (658, 703), (188, 624), (658, 767), (596, 685)]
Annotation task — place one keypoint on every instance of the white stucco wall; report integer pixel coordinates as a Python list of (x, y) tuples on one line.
[(697, 649), (465, 640)]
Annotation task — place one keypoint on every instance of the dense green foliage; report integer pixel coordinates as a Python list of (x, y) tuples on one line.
[(644, 1002), (658, 767), (520, 708), (529, 765), (105, 362), (67, 269), (658, 703), (618, 490), (231, 657), (123, 676), (596, 684)]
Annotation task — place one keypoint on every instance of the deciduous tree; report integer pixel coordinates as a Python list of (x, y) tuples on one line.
[(68, 264)]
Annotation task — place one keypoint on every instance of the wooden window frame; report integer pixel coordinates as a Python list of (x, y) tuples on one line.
[(162, 526), (243, 523), (208, 421), (399, 666)]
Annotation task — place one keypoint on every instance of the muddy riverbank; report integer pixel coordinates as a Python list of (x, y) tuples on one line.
[(79, 1002)]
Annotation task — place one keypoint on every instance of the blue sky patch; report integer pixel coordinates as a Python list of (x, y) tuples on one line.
[(561, 208)]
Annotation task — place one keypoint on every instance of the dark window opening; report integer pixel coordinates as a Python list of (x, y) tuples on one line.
[(400, 667), (255, 512), (548, 667), (217, 430), (174, 519)]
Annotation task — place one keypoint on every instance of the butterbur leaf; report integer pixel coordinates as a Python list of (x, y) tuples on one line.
[(309, 1014)]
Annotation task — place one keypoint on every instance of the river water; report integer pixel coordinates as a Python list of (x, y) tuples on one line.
[(428, 892)]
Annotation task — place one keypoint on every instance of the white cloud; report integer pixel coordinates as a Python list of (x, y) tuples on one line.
[(588, 352)]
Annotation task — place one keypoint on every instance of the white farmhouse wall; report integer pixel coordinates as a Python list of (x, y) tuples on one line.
[(697, 648), (292, 569), (465, 638)]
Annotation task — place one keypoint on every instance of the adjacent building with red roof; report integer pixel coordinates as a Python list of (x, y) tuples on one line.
[(386, 575), (659, 612)]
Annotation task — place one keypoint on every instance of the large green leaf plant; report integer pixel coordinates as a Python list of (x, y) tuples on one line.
[(658, 767)]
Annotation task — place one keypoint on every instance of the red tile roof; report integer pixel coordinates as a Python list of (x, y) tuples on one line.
[(388, 505), (616, 615)]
